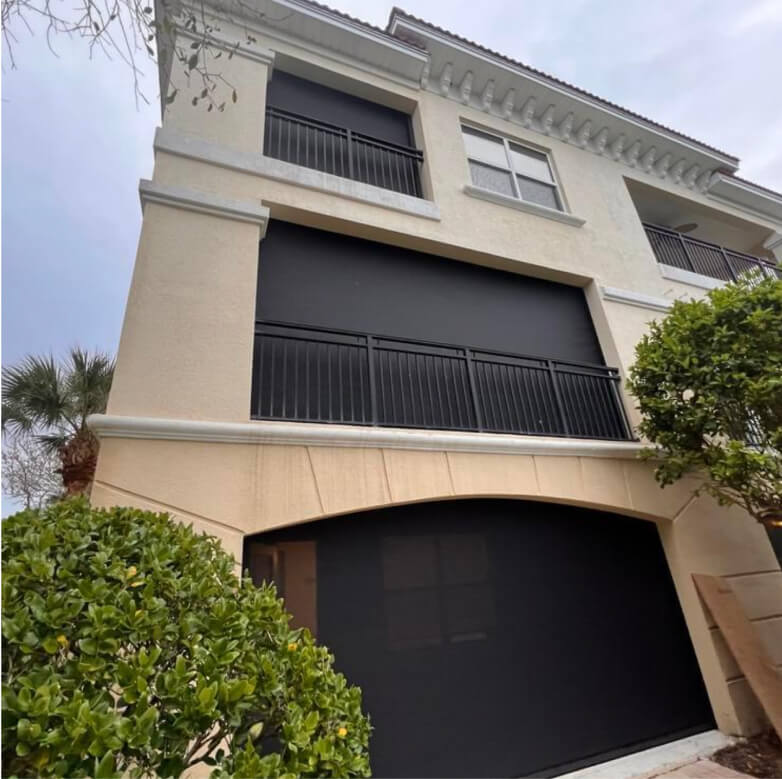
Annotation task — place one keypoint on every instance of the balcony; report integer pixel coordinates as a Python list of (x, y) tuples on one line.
[(342, 152), (310, 375), (706, 259)]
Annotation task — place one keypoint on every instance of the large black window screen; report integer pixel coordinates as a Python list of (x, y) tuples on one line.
[(333, 281), (323, 104), (495, 638)]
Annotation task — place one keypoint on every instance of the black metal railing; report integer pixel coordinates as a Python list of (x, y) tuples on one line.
[(342, 152), (707, 259), (310, 375)]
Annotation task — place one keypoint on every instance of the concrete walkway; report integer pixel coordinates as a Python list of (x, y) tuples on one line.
[(700, 769), (686, 758)]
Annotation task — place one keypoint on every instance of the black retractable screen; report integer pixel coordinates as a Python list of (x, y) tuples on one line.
[(328, 280), (314, 101), (497, 638)]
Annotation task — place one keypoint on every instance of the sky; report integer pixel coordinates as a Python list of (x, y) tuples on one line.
[(75, 144)]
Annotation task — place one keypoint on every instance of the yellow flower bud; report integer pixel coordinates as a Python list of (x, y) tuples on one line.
[(131, 572), (292, 647), (342, 732), (62, 641)]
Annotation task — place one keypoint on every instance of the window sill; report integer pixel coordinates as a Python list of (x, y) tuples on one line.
[(523, 205)]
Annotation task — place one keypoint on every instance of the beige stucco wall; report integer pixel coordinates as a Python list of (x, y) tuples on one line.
[(232, 490), (186, 350)]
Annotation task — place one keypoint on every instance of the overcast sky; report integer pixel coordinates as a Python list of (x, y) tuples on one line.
[(74, 144)]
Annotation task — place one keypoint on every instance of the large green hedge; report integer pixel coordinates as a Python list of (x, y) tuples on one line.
[(130, 647)]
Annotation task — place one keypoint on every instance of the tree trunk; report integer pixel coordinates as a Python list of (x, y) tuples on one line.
[(79, 459)]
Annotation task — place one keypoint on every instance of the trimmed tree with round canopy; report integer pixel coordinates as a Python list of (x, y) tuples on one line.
[(708, 380), (131, 648)]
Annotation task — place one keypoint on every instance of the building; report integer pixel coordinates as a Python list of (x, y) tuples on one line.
[(375, 340)]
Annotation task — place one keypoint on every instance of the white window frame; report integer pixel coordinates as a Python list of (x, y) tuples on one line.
[(561, 214)]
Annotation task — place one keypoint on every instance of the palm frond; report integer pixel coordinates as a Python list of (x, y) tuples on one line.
[(34, 394), (53, 442), (88, 381)]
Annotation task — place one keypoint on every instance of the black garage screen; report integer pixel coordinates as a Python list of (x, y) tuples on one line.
[(495, 638)]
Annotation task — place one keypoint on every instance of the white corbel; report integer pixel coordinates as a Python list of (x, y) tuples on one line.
[(702, 184), (465, 90), (509, 103), (445, 79), (632, 154), (647, 161), (690, 176), (661, 168), (566, 127), (617, 147), (527, 112), (601, 139), (547, 120), (425, 74), (677, 171), (487, 98), (582, 136)]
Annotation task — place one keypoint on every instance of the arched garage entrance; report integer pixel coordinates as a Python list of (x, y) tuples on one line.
[(495, 637)]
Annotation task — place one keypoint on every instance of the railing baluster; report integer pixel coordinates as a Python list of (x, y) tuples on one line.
[(473, 389), (370, 349), (557, 397)]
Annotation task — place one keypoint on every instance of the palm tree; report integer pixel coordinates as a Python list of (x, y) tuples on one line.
[(52, 401)]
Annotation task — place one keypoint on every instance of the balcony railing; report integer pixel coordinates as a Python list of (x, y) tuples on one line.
[(342, 152), (310, 375), (707, 259)]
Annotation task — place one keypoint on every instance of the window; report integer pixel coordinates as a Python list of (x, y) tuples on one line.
[(437, 590), (504, 167)]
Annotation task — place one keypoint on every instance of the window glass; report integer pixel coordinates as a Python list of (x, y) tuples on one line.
[(492, 178), (536, 192), (485, 148), (531, 163)]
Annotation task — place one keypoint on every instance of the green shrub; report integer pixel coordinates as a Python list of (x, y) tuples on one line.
[(130, 647), (708, 379)]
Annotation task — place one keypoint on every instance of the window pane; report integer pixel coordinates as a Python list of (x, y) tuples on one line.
[(491, 178), (531, 163), (463, 558), (409, 562), (484, 147), (413, 618), (536, 192)]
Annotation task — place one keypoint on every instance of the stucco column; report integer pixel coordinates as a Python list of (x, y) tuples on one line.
[(706, 538)]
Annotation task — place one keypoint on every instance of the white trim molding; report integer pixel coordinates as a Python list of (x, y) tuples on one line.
[(632, 298), (688, 277), (308, 434), (173, 142), (523, 205), (204, 203)]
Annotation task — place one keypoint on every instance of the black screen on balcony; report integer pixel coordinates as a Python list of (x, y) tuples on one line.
[(323, 104), (322, 279)]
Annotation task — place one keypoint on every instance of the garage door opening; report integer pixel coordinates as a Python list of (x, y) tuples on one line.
[(495, 637)]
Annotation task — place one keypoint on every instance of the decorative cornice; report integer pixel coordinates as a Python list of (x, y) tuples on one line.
[(476, 78), (631, 298), (307, 434), (204, 203), (190, 147)]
